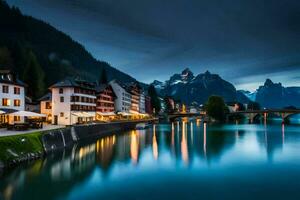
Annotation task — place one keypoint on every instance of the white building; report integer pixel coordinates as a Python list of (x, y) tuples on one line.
[(12, 97), (73, 101), (142, 106), (123, 100), (46, 106)]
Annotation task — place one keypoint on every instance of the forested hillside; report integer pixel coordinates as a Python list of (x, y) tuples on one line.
[(42, 55)]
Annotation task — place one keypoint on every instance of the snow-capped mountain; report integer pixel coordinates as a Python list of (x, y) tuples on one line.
[(189, 88), (274, 95), (248, 94)]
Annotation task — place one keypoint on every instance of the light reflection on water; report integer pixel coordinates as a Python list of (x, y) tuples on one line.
[(169, 161)]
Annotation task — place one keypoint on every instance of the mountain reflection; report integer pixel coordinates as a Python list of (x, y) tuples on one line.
[(185, 141)]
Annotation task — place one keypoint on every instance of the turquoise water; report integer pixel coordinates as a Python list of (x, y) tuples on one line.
[(182, 160)]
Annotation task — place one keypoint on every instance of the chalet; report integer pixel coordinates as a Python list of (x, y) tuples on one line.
[(135, 90), (73, 101), (46, 106), (123, 98), (12, 97), (105, 102)]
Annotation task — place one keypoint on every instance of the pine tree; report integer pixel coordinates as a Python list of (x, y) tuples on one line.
[(6, 60), (155, 102), (34, 76)]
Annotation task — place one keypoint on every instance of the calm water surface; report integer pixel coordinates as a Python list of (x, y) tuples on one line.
[(184, 160)]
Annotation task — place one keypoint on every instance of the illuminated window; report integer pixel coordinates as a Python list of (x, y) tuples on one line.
[(5, 89), (5, 102), (16, 90), (17, 102), (48, 105), (17, 118)]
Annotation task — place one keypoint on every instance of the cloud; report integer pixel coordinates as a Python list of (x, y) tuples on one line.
[(154, 39)]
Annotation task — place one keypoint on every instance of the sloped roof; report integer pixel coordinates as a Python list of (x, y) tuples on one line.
[(6, 76), (46, 97), (100, 88), (74, 82)]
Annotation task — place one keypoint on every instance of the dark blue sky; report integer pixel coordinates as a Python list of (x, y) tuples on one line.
[(244, 41)]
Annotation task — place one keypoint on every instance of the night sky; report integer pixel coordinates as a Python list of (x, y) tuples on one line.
[(244, 41)]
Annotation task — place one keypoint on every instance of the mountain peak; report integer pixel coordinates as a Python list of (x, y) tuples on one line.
[(187, 75), (155, 82), (186, 71), (207, 73), (268, 82)]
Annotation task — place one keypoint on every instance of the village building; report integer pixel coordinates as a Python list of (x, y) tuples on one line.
[(32, 106), (12, 97), (135, 91), (46, 106), (233, 106), (123, 98), (73, 101), (142, 105), (105, 102)]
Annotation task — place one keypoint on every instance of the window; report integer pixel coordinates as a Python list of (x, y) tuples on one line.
[(62, 99), (16, 90), (61, 90), (5, 88), (5, 102), (17, 118), (17, 102), (48, 105), (61, 114)]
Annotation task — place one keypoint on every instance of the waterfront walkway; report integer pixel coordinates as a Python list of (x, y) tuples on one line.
[(5, 132), (46, 127)]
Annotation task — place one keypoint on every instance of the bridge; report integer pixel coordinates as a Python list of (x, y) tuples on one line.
[(172, 116), (285, 114)]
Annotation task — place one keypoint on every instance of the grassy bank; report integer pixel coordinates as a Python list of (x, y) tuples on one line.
[(18, 146)]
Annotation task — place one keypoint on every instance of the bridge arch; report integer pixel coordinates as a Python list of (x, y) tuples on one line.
[(286, 117)]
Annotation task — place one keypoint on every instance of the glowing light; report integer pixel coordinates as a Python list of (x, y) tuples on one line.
[(204, 139), (184, 147), (198, 122), (265, 118), (154, 147), (192, 133), (173, 139), (134, 147), (282, 130)]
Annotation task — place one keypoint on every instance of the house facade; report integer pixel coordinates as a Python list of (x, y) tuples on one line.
[(46, 106), (105, 98), (73, 101), (135, 92), (142, 104), (123, 97), (105, 102), (12, 97)]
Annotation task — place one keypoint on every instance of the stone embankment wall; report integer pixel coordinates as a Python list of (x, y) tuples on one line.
[(62, 138), (53, 140)]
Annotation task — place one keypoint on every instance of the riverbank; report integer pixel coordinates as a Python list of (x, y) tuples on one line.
[(46, 127), (20, 148)]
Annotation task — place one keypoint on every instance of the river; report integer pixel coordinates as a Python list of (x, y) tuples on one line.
[(180, 160)]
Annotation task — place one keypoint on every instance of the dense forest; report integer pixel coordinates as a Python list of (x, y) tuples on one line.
[(42, 55)]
